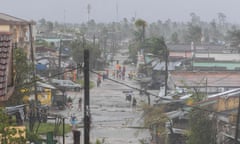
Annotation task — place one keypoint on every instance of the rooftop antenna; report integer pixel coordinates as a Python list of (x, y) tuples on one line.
[(64, 19), (117, 10), (88, 11)]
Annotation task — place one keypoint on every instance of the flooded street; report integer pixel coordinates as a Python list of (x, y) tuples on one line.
[(114, 120)]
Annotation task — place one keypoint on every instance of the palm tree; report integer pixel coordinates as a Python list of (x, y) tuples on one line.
[(142, 25)]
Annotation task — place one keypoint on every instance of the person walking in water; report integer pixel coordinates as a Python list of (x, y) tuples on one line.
[(134, 103), (123, 72), (73, 121), (98, 80), (80, 104)]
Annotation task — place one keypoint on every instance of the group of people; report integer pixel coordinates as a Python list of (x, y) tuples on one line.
[(132, 100), (131, 75), (73, 117), (120, 72), (101, 77)]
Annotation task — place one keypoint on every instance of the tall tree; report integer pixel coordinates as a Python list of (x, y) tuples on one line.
[(202, 128), (195, 19), (194, 33), (221, 18), (141, 24), (155, 119), (234, 38), (156, 46), (22, 69), (49, 26), (174, 38), (78, 47)]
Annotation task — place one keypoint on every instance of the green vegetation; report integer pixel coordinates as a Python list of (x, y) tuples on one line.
[(155, 119), (140, 34), (92, 83), (22, 71), (8, 133), (98, 141), (47, 127), (78, 47), (202, 128), (44, 128)]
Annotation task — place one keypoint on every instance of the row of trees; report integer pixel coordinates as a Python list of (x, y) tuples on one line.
[(78, 47), (152, 38), (195, 30), (202, 128)]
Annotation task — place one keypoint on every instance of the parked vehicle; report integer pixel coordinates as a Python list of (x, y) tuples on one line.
[(155, 85), (67, 84)]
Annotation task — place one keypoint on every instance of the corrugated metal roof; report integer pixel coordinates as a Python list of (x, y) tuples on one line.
[(5, 18), (198, 79), (45, 85), (228, 65), (171, 65)]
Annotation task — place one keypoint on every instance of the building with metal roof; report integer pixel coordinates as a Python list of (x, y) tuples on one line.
[(14, 33)]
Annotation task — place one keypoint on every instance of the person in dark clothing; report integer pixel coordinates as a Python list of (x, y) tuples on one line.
[(98, 80), (134, 102), (80, 104), (123, 72)]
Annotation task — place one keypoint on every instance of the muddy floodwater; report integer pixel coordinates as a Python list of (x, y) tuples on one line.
[(114, 120)]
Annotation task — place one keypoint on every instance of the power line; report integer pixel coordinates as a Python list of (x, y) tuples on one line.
[(135, 88), (162, 98), (52, 76)]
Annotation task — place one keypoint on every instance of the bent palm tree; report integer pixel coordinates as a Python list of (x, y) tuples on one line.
[(142, 25)]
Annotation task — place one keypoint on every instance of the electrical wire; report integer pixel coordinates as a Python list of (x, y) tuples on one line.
[(166, 99), (135, 88), (182, 104), (49, 77)]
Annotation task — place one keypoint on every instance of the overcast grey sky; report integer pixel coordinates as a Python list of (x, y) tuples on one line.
[(75, 11)]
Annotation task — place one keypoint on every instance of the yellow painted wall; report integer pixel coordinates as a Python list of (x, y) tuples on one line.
[(45, 97), (4, 28), (227, 103), (20, 131)]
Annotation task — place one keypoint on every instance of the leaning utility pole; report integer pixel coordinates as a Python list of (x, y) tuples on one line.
[(87, 117)]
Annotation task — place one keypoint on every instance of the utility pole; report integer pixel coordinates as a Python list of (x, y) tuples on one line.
[(33, 61), (33, 106), (237, 123), (206, 87), (63, 128), (87, 117), (117, 11), (60, 59), (88, 10), (166, 70)]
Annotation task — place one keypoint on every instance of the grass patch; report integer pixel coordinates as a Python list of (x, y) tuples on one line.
[(47, 127), (92, 84)]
